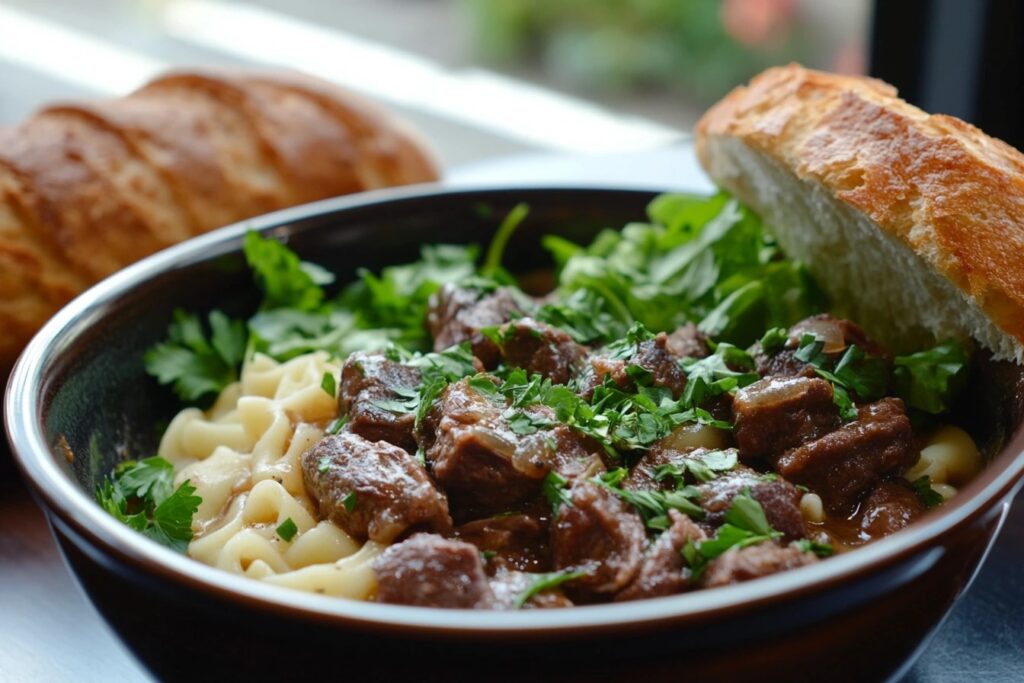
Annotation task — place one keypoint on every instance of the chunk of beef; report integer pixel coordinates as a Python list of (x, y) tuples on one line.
[(518, 541), (457, 314), (891, 506), (779, 499), (837, 335), (842, 465), (643, 475), (475, 456), (372, 488), (652, 355), (368, 380), (753, 562), (775, 414), (687, 342), (427, 570), (662, 570), (507, 586), (575, 456), (541, 349), (598, 533)]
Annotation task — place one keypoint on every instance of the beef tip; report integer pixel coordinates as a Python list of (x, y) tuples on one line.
[(779, 499), (837, 334), (662, 570), (475, 456), (775, 414), (842, 465), (457, 314), (367, 380), (753, 562), (652, 355), (518, 541), (891, 506), (507, 586), (575, 456), (427, 570), (687, 342), (372, 489), (541, 349), (643, 475), (599, 533)]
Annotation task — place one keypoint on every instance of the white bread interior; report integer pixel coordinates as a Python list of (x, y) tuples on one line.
[(914, 259)]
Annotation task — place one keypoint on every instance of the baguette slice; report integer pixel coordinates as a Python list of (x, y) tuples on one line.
[(912, 223)]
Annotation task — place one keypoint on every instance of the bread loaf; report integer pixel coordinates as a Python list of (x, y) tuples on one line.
[(913, 223), (87, 188)]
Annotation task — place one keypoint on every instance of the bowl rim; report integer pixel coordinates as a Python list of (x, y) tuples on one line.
[(74, 507)]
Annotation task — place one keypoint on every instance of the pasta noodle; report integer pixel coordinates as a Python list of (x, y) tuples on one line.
[(242, 455)]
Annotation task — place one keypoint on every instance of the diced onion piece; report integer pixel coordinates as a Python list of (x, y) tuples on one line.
[(944, 490), (812, 508), (694, 435), (951, 457), (828, 331)]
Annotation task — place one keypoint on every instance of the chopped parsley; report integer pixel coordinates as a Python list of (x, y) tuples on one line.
[(553, 488), (928, 496), (329, 384), (653, 506), (817, 547), (141, 494), (545, 582), (701, 467), (350, 501), (324, 465), (745, 525), (287, 530), (930, 380), (198, 366)]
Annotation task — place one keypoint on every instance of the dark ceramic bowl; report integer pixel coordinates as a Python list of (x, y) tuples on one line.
[(79, 400)]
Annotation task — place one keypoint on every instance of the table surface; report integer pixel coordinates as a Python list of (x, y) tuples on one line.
[(49, 631)]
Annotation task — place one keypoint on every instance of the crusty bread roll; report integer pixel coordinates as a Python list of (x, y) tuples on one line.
[(913, 223), (87, 188)]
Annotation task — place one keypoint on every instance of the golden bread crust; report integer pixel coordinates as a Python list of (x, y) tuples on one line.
[(87, 188), (943, 188)]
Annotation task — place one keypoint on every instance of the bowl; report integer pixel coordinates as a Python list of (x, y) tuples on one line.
[(79, 400)]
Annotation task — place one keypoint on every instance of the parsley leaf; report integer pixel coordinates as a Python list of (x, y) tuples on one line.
[(715, 374), (286, 282), (928, 496), (930, 380), (545, 582), (653, 506), (287, 530), (141, 494), (745, 525), (329, 384), (350, 501), (197, 366), (816, 547), (553, 488)]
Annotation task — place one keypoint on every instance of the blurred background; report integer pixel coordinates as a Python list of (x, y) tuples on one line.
[(480, 77)]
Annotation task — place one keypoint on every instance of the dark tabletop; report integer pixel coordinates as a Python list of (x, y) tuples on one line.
[(49, 632)]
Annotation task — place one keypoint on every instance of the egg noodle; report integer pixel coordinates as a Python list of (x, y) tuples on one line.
[(242, 455)]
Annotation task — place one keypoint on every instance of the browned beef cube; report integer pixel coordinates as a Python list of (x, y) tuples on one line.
[(598, 533), (779, 499), (662, 570), (891, 506), (778, 413), (507, 586), (652, 355), (372, 488), (475, 456), (457, 314), (368, 382), (842, 465), (517, 541), (575, 456), (687, 342), (753, 562), (427, 570), (837, 335), (541, 349)]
